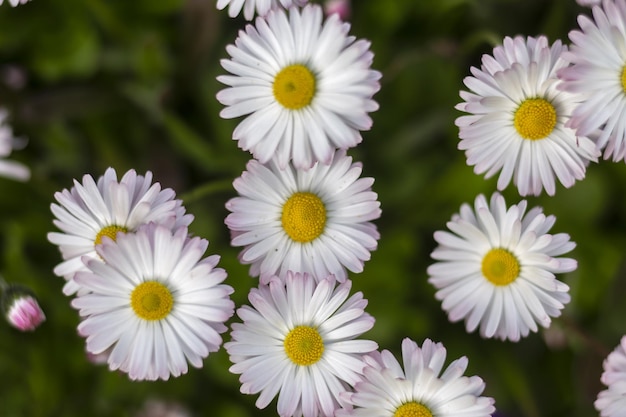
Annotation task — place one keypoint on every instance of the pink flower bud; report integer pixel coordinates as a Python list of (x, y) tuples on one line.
[(341, 7), (25, 314)]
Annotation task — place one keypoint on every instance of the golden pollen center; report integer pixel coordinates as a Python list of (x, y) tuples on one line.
[(412, 409), (151, 300), (535, 118), (110, 231), (304, 217), (294, 87), (304, 345), (624, 79), (500, 267)]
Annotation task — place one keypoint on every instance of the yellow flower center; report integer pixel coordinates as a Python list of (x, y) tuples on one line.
[(304, 217), (500, 267), (110, 231), (412, 409), (304, 345), (151, 300), (624, 79), (535, 118), (294, 87)]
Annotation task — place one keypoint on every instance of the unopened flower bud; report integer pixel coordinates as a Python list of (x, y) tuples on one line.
[(21, 308)]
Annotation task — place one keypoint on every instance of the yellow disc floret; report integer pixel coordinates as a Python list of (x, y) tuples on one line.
[(151, 300), (294, 87), (109, 231), (624, 79), (535, 118), (500, 267), (304, 345), (412, 409), (304, 217)]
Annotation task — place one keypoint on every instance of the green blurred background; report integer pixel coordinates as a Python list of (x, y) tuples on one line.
[(131, 84)]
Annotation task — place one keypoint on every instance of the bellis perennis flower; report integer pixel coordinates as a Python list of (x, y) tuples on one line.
[(496, 268), (304, 85), (153, 302), (298, 341), (518, 119), (261, 7), (612, 401), (419, 387)]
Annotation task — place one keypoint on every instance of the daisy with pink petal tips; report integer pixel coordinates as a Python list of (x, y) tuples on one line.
[(517, 119), (260, 7), (597, 70), (612, 401), (298, 341)]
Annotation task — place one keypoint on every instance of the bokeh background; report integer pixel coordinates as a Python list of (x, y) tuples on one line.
[(131, 84)]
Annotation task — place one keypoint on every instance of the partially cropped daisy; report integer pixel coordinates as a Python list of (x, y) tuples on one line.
[(305, 85), (496, 268), (15, 2), (612, 401), (261, 7), (91, 210), (10, 169), (518, 119), (417, 387), (598, 70), (298, 341), (154, 302), (316, 221)]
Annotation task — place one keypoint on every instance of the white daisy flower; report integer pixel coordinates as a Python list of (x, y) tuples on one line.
[(421, 389), (298, 341), (262, 7), (8, 142), (15, 2), (305, 84), (316, 221), (598, 70), (90, 211), (518, 119), (154, 302), (612, 401), (496, 268)]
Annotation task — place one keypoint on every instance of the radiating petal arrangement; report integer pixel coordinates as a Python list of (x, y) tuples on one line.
[(304, 85)]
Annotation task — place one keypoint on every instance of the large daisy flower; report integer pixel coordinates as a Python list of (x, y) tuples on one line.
[(518, 119), (612, 401), (316, 221), (306, 85), (421, 389), (598, 70), (262, 7), (496, 268), (154, 302), (90, 211), (298, 341), (8, 142)]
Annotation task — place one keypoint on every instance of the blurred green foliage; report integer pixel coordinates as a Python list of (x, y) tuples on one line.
[(131, 84)]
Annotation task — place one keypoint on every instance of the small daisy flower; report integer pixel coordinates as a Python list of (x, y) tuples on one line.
[(90, 211), (262, 7), (518, 119), (316, 221), (10, 169), (496, 268), (421, 389), (598, 71), (305, 84), (298, 341), (154, 301), (612, 401)]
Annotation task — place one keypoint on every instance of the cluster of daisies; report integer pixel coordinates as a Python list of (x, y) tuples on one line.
[(152, 303), (536, 113)]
